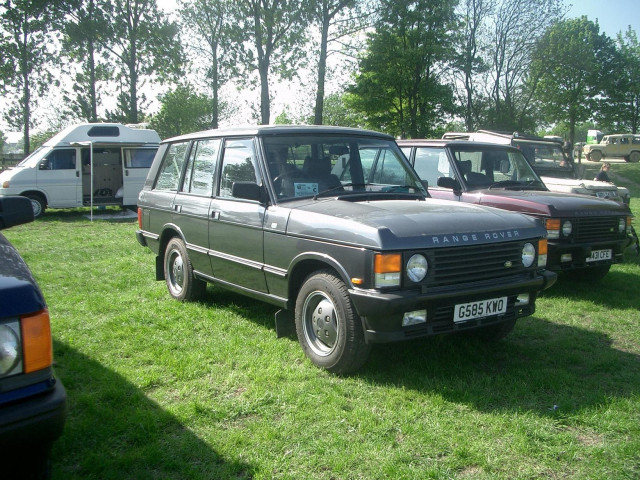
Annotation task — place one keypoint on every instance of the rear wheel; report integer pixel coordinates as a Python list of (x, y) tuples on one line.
[(328, 327), (595, 156), (178, 273), (38, 203), (634, 157)]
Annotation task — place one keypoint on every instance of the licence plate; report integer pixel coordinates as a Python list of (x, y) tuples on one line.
[(606, 194), (597, 255), (482, 308)]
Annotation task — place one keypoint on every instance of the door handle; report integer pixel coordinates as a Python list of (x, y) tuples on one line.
[(215, 215), (177, 208)]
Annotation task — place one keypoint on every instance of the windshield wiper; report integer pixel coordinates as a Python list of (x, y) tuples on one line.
[(338, 187), (517, 184)]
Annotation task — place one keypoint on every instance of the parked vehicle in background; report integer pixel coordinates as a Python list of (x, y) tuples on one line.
[(550, 161), (594, 136), (32, 400), (586, 235), (333, 226), (83, 165), (623, 146)]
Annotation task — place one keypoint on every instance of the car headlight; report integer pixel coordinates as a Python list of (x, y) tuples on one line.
[(417, 268), (528, 254), (622, 225), (10, 348), (567, 228)]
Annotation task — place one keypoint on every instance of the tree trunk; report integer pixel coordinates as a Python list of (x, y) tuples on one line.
[(322, 68), (265, 110)]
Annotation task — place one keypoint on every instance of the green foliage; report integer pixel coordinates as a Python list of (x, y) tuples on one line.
[(398, 86), (182, 111), (569, 63), (275, 32), (145, 46)]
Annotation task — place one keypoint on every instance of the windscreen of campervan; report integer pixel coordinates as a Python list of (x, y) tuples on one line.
[(33, 159)]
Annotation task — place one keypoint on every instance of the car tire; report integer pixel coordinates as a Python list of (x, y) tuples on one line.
[(328, 327), (38, 203), (494, 333), (634, 157), (178, 273), (595, 156)]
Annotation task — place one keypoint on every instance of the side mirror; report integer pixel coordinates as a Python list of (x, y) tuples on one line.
[(248, 191), (15, 210), (452, 183), (44, 164)]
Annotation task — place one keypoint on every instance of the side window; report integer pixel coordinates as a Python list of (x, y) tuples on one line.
[(139, 157), (61, 159), (367, 157), (389, 170), (238, 165), (201, 167), (171, 169), (431, 164)]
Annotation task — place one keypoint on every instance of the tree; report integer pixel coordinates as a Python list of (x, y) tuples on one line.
[(275, 31), (182, 111), (332, 13), (85, 37), (468, 63), (145, 47), (569, 61), (209, 21), (399, 85), (620, 103), (26, 55), (516, 27)]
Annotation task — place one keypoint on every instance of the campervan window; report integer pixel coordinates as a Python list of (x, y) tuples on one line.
[(104, 131), (60, 159), (138, 157)]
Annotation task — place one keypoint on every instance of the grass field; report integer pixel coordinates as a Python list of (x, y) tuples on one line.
[(163, 390)]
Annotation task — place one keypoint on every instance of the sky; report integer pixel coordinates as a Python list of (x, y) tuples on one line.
[(613, 15)]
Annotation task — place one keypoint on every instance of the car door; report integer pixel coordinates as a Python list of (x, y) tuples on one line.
[(135, 168), (192, 202), (236, 237), (58, 176)]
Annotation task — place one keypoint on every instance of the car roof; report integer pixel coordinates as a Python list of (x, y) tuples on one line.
[(264, 130), (422, 142)]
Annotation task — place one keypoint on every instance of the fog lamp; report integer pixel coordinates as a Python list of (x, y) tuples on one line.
[(523, 299), (566, 257), (414, 318)]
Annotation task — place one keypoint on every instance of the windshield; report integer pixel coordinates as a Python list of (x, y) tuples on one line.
[(487, 167), (335, 165), (33, 159), (547, 159)]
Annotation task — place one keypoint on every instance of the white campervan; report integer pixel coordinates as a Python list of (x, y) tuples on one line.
[(85, 165)]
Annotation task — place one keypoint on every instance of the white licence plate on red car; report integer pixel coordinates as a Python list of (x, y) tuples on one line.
[(481, 308), (597, 255)]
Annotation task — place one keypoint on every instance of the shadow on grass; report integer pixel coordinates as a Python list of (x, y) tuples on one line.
[(114, 432), (77, 215)]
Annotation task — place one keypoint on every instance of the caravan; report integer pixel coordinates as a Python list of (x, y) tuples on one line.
[(85, 165)]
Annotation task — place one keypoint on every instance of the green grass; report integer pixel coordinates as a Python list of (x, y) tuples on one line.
[(164, 390)]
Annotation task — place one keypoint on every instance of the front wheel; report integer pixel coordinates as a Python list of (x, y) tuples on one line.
[(178, 273), (595, 156), (328, 327), (38, 204)]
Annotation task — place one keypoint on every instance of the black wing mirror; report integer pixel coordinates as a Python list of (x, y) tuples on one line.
[(248, 191), (15, 210)]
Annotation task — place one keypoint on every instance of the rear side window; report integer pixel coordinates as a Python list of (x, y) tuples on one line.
[(201, 167), (238, 165), (139, 157), (171, 168)]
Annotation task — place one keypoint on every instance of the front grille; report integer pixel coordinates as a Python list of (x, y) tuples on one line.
[(449, 266), (595, 229)]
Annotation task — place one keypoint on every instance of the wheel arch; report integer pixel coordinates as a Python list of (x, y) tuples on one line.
[(169, 231), (38, 193), (307, 264)]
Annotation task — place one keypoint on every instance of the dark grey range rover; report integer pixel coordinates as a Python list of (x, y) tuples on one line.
[(333, 226)]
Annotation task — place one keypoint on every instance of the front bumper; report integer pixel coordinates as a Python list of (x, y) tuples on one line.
[(575, 255), (382, 313), (35, 420)]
